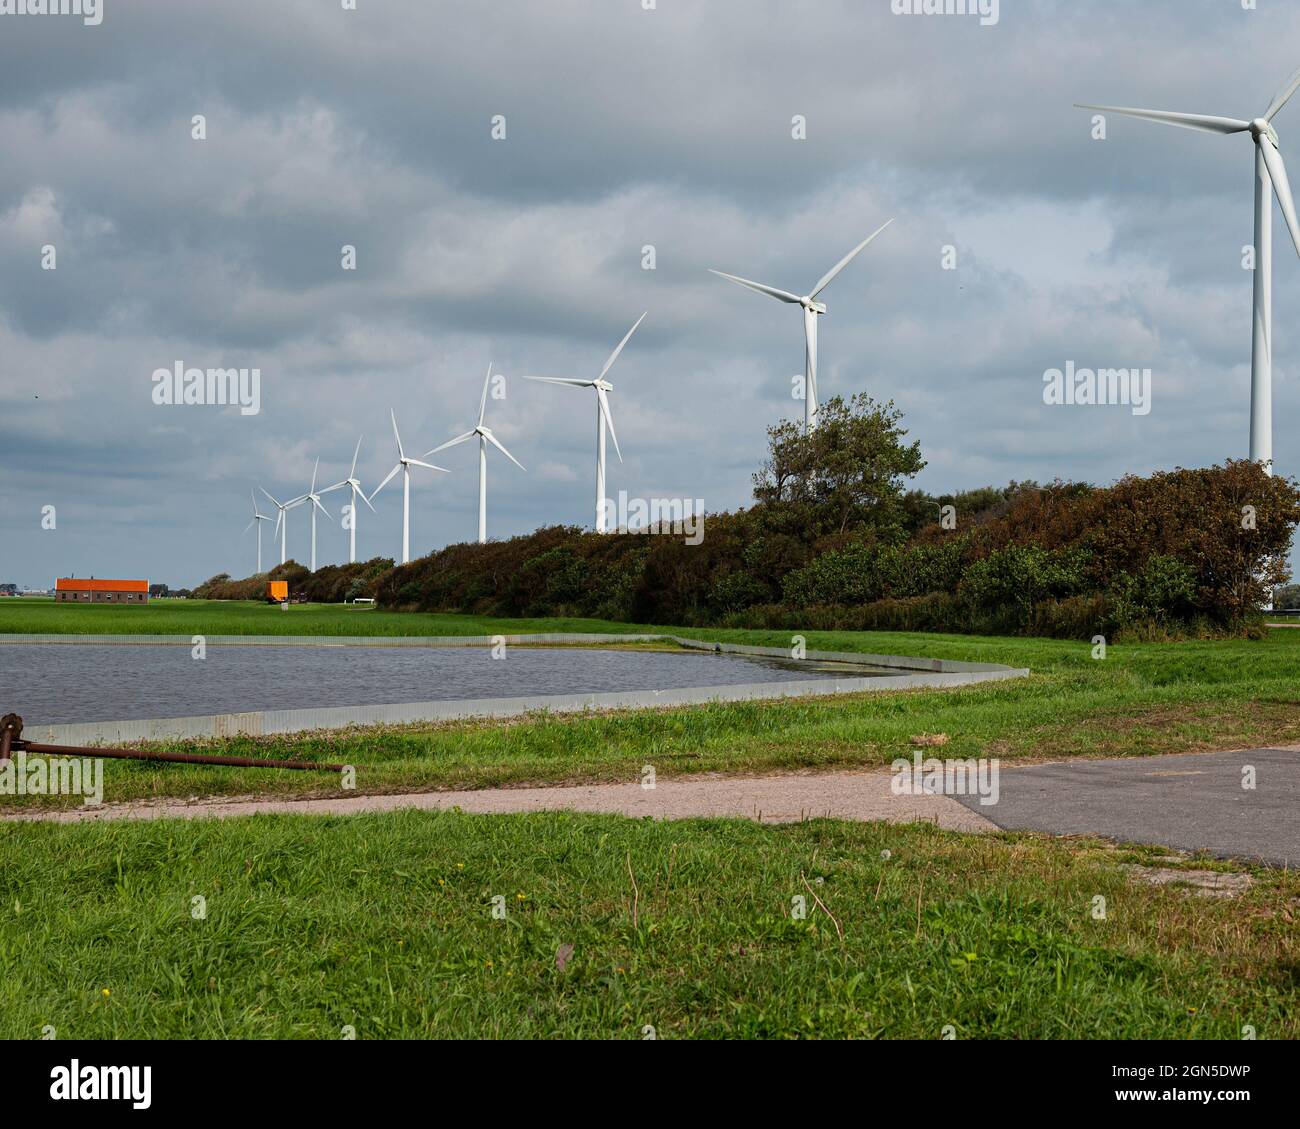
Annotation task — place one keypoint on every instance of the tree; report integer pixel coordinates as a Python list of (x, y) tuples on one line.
[(848, 473)]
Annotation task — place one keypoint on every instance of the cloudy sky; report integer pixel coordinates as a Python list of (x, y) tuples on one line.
[(624, 128)]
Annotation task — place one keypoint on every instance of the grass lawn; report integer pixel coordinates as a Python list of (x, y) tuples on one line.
[(384, 923), (1142, 699), (32, 615)]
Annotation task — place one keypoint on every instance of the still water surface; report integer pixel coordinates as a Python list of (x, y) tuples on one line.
[(54, 684)]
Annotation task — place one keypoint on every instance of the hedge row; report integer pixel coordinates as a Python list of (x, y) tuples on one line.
[(1185, 549)]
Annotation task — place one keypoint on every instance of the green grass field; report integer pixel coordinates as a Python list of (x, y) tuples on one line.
[(32, 615), (1142, 699), (385, 924)]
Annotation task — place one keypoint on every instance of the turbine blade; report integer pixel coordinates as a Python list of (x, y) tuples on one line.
[(609, 419), (427, 466), (250, 525), (772, 291), (449, 443), (1186, 121), (1282, 186), (316, 503), (353, 472), (400, 453), (336, 486), (362, 495), (279, 517), (609, 364), (1282, 97), (561, 380), (264, 491), (831, 275), (482, 404), (391, 475), (493, 440), (313, 477)]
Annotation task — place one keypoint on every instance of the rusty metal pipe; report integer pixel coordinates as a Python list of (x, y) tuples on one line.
[(11, 727), (179, 758)]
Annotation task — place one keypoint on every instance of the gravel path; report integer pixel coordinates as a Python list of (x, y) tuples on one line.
[(768, 799)]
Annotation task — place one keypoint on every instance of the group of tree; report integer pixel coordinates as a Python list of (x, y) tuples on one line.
[(836, 539), (331, 584)]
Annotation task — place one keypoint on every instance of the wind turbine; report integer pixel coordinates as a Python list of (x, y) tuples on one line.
[(352, 481), (485, 437), (281, 522), (258, 518), (314, 498), (602, 387), (1270, 173), (404, 465), (812, 310)]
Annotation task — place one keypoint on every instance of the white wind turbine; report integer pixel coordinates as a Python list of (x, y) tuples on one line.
[(314, 498), (404, 464), (485, 437), (357, 492), (1270, 173), (281, 522), (602, 387), (258, 518), (812, 310)]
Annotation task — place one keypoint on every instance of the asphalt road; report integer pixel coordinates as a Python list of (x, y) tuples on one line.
[(1194, 802)]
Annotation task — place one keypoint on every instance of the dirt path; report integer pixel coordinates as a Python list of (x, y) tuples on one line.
[(768, 799)]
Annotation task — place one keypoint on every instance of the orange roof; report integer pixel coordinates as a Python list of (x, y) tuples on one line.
[(74, 585)]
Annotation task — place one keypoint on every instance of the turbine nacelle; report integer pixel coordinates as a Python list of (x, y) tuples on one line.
[(1261, 128), (812, 305)]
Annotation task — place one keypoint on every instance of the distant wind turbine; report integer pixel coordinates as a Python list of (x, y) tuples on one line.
[(485, 437), (404, 465), (812, 310), (314, 498), (603, 418), (258, 518), (1270, 177), (357, 492), (281, 522)]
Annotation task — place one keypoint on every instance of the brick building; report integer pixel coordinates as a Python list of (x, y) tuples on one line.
[(92, 591)]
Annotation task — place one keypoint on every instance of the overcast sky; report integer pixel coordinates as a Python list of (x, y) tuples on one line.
[(624, 128)]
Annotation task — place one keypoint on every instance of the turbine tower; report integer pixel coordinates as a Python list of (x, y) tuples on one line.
[(1270, 178), (258, 518), (603, 418), (281, 522), (812, 310), (352, 481), (485, 437), (404, 464), (314, 498)]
